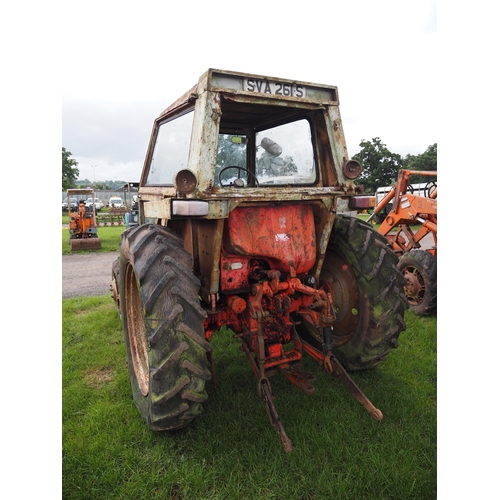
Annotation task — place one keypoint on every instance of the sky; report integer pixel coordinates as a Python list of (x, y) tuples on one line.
[(125, 65)]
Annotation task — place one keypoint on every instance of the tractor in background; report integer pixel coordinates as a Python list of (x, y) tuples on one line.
[(82, 222), (410, 218)]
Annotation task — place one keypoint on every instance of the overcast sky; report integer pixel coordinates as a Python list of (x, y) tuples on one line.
[(125, 65)]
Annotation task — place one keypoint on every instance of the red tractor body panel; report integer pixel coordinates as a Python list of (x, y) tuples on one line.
[(284, 236)]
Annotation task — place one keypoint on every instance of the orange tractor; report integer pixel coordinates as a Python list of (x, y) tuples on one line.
[(242, 224), (413, 218), (82, 223)]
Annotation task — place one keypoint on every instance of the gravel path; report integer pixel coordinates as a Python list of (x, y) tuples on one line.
[(86, 275)]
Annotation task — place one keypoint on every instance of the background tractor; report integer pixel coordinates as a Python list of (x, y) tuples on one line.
[(409, 220), (82, 221), (242, 224)]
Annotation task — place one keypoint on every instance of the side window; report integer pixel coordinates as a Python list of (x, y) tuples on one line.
[(171, 150), (285, 155), (231, 152)]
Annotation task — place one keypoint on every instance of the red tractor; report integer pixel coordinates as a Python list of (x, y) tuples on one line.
[(242, 223), (410, 219)]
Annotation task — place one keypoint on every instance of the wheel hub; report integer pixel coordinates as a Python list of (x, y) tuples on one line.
[(415, 286)]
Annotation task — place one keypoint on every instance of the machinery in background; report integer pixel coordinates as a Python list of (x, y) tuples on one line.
[(82, 222), (413, 217)]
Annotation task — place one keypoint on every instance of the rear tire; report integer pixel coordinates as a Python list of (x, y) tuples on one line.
[(163, 327), (419, 268), (367, 287)]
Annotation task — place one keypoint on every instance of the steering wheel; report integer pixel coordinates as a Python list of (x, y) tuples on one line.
[(236, 183), (427, 190)]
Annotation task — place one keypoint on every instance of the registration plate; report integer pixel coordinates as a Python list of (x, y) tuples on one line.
[(273, 87)]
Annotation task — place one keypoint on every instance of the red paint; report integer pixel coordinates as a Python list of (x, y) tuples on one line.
[(284, 235)]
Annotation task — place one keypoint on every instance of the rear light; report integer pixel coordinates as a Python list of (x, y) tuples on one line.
[(185, 181), (352, 169), (362, 202)]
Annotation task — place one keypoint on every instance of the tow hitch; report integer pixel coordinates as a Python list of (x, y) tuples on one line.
[(304, 382)]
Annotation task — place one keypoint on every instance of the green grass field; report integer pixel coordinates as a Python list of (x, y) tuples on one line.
[(231, 451)]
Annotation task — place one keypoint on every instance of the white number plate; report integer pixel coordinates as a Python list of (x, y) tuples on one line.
[(274, 88)]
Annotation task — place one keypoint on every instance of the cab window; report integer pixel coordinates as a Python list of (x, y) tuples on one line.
[(171, 150), (231, 162), (284, 155)]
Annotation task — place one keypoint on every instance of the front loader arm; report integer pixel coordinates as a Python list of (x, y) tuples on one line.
[(411, 210)]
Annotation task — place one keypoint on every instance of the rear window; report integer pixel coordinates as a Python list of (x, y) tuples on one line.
[(285, 155)]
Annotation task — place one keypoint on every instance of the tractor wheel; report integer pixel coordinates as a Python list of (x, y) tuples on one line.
[(361, 273), (419, 268), (163, 327)]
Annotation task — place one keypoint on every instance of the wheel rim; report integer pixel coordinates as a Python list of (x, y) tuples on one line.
[(342, 285), (136, 331), (115, 293), (340, 282), (415, 285)]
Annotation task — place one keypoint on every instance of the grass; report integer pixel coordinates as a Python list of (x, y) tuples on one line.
[(231, 451)]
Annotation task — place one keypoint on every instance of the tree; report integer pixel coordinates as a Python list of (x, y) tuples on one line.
[(70, 171), (231, 150), (269, 165), (425, 161), (380, 166), (106, 185)]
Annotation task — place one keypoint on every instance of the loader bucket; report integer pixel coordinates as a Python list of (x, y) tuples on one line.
[(84, 244)]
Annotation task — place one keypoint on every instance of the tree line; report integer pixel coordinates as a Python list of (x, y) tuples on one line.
[(381, 166), (70, 175)]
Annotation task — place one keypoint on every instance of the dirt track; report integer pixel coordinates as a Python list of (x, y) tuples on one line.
[(86, 275)]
